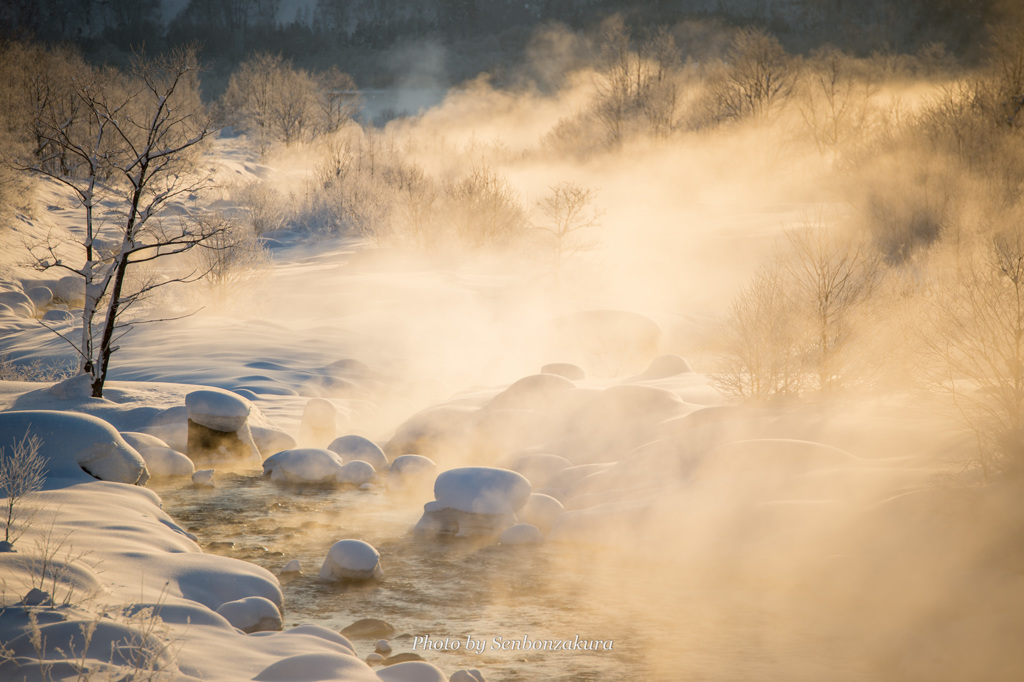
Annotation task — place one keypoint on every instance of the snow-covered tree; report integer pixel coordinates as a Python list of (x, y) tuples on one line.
[(131, 140)]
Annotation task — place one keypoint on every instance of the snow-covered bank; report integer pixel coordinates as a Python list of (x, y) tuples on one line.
[(103, 582)]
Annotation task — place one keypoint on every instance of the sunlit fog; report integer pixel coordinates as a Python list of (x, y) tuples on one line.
[(460, 341)]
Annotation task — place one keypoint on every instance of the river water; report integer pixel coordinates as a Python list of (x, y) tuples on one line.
[(652, 619)]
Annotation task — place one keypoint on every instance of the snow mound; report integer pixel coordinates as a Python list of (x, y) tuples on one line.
[(357, 472), (18, 302), (271, 441), (203, 478), (474, 502), (323, 633), (539, 468), (252, 614), (351, 560), (325, 667), (410, 473), (353, 447), (481, 490), (139, 440), (532, 392), (565, 369), (57, 315), (521, 534), (77, 447), (541, 511), (412, 671), (664, 366), (412, 466), (40, 296), (319, 423), (165, 462), (303, 465), (217, 410)]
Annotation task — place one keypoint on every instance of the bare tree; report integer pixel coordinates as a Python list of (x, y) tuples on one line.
[(636, 86), (837, 103), (274, 102), (832, 275), (337, 97), (135, 144), (233, 257), (22, 471), (568, 213), (759, 76), (761, 341), (978, 342), (484, 209)]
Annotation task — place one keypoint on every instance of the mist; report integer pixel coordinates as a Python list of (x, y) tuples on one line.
[(763, 307)]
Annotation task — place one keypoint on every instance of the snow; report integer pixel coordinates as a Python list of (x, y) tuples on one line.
[(351, 560), (412, 671), (18, 302), (411, 466), (357, 473), (411, 473), (539, 468), (252, 614), (163, 461), (531, 392), (41, 297), (317, 667), (203, 478), (639, 465), (217, 410), (303, 465), (481, 490), (353, 447), (541, 511), (319, 423), (77, 447), (568, 370), (521, 534)]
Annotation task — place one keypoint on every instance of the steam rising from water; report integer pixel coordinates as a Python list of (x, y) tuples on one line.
[(764, 559)]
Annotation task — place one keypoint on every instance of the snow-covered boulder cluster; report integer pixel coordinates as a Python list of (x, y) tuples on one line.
[(551, 446), (317, 466), (351, 560)]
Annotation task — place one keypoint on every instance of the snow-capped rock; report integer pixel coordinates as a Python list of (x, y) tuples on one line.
[(303, 465), (353, 447), (165, 462), (217, 410), (319, 423), (521, 534), (541, 511), (481, 490), (252, 614), (357, 472), (351, 560)]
